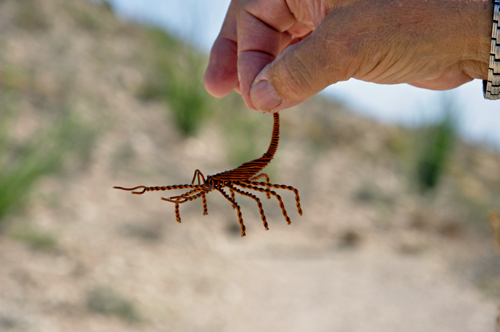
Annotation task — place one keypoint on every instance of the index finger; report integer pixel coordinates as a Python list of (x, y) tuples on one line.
[(221, 76), (261, 25)]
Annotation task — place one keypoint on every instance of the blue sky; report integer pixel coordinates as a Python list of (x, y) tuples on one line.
[(200, 21)]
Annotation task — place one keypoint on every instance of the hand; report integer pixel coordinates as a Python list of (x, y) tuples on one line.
[(278, 53)]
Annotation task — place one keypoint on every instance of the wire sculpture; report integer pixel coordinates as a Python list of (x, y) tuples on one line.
[(242, 177)]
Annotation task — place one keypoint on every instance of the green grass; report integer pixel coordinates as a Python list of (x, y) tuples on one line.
[(13, 78), (35, 239), (434, 146), (30, 16), (94, 19), (106, 301), (24, 162), (176, 79)]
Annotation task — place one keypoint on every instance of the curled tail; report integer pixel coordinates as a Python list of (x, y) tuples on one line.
[(249, 169), (253, 167), (275, 139)]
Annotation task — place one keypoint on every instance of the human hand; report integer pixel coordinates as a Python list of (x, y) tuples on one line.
[(278, 53)]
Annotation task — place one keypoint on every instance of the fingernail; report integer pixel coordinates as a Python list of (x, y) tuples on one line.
[(264, 96)]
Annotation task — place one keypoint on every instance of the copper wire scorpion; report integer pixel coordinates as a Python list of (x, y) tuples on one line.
[(244, 176)]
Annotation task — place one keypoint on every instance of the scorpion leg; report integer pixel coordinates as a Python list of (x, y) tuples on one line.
[(199, 174), (247, 185), (280, 186), (186, 194), (183, 199), (203, 196), (296, 192), (259, 204), (177, 213), (262, 175), (240, 216), (232, 195), (201, 178)]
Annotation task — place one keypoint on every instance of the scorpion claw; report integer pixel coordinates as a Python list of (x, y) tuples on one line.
[(134, 192)]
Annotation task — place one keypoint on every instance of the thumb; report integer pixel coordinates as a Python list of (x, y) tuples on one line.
[(300, 71)]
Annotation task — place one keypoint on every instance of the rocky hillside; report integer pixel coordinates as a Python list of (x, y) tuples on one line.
[(88, 102)]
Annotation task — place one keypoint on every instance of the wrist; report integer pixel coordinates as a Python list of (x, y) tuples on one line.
[(477, 53)]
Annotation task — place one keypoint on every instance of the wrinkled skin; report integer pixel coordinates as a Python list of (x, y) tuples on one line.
[(278, 53)]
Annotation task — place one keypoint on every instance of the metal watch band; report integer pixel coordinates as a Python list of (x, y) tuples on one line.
[(491, 87)]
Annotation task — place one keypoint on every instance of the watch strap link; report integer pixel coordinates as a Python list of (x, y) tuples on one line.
[(491, 87)]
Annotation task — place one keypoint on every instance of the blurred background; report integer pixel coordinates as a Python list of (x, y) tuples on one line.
[(397, 189)]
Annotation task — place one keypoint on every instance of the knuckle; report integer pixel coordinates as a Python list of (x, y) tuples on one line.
[(296, 76)]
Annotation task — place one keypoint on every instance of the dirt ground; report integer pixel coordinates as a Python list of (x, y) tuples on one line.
[(339, 267)]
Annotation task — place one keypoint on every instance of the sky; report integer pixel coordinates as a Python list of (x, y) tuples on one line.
[(199, 21)]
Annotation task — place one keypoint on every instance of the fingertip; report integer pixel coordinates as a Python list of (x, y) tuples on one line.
[(221, 76), (250, 63), (264, 96), (294, 75), (264, 92), (213, 86)]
